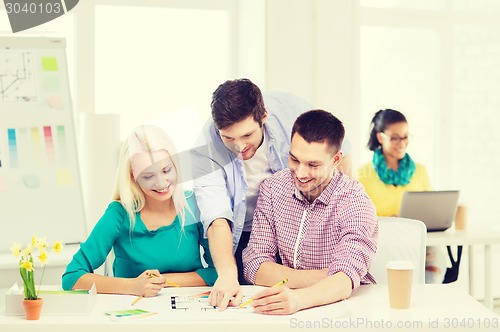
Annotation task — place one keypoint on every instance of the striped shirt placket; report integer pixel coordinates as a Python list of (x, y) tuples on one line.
[(299, 237)]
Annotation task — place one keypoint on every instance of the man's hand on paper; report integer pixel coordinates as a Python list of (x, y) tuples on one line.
[(279, 300), (225, 292)]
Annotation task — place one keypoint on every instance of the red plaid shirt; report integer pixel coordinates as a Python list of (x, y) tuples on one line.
[(338, 230)]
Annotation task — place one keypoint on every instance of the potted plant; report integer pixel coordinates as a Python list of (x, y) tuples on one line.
[(39, 249)]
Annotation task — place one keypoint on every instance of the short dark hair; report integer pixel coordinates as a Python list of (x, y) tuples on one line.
[(380, 122), (236, 100), (320, 126)]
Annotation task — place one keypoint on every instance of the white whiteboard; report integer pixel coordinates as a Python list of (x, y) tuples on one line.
[(40, 187)]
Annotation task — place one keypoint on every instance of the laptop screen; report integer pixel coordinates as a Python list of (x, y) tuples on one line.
[(436, 209)]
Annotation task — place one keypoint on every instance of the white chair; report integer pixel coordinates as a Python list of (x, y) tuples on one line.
[(108, 264), (400, 239)]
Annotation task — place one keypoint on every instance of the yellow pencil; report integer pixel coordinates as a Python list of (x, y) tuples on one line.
[(146, 315), (251, 299), (136, 300), (281, 282), (171, 283)]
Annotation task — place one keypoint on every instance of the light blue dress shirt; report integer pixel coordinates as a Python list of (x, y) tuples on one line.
[(218, 176)]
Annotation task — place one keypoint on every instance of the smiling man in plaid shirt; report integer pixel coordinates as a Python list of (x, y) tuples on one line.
[(322, 224)]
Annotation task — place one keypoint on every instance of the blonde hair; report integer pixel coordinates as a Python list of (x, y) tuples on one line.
[(130, 195)]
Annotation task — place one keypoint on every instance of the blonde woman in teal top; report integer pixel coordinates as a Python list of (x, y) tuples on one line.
[(152, 225)]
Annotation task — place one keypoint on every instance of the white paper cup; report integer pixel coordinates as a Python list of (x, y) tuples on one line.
[(400, 280), (461, 217)]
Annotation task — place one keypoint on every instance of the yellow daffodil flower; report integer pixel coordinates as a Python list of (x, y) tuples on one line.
[(42, 244), (43, 258), (16, 249), (34, 240), (57, 247), (27, 265), (27, 251)]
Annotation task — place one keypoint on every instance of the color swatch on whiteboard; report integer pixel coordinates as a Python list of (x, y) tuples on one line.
[(36, 143), (63, 147), (49, 144), (64, 177), (49, 64), (51, 83), (31, 181), (22, 144), (55, 103), (14, 158)]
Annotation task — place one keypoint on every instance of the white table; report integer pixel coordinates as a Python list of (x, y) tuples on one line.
[(483, 236), (432, 306)]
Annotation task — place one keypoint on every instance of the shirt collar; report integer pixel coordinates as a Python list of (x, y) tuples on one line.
[(325, 196)]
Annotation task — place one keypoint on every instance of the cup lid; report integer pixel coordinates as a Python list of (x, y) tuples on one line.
[(400, 265)]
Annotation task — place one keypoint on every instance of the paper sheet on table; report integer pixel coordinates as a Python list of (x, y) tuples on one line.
[(184, 304)]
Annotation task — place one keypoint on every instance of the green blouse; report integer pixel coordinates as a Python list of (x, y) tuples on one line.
[(168, 249)]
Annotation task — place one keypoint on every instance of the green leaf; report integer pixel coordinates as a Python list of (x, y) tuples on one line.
[(29, 284)]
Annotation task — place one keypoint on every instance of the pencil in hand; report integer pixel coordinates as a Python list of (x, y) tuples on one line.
[(150, 275), (173, 284), (280, 283), (275, 285), (168, 283), (136, 300)]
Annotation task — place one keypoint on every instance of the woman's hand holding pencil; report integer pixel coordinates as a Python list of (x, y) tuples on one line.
[(148, 284), (154, 283)]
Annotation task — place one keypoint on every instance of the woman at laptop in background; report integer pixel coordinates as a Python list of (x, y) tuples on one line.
[(152, 225), (392, 172)]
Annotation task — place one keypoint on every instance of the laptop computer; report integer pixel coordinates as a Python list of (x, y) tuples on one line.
[(436, 209)]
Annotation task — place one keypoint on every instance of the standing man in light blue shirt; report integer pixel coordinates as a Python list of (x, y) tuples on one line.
[(247, 141)]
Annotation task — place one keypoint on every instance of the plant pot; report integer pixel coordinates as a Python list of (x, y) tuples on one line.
[(33, 308)]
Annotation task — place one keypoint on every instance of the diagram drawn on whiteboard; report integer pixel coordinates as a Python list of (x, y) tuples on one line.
[(17, 78)]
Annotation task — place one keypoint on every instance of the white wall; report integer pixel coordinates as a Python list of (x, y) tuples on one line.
[(313, 48)]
